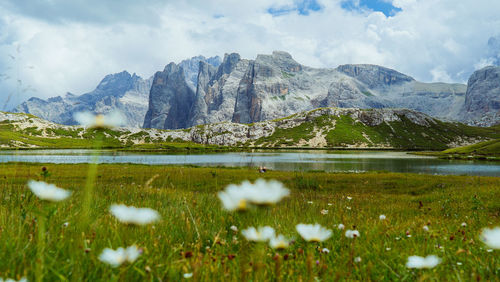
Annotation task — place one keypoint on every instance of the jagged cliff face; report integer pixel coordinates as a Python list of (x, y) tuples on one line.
[(121, 91), (482, 101), (169, 98), (217, 90), (191, 68), (274, 86)]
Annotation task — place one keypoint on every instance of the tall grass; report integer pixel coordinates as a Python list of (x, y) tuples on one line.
[(194, 234)]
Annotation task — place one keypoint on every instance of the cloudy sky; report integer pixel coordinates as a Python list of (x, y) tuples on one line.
[(50, 47)]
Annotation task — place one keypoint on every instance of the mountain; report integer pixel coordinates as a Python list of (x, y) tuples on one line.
[(121, 91), (482, 101), (321, 128), (191, 68), (274, 86)]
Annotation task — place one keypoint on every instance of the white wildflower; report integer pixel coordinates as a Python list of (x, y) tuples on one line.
[(323, 212), (463, 224), (421, 262), (325, 251), (349, 198), (262, 192), (112, 119), (133, 215), (341, 226), (279, 242), (352, 234), (262, 234), (234, 228), (426, 228), (233, 198), (48, 192), (187, 275), (313, 232), (381, 217), (491, 237), (349, 208), (119, 256), (14, 280), (357, 259)]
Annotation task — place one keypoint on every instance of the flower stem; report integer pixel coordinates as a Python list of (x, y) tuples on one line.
[(40, 248), (91, 176)]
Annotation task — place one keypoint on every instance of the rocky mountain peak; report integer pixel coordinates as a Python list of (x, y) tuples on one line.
[(279, 59), (482, 99), (191, 68), (228, 64), (375, 76)]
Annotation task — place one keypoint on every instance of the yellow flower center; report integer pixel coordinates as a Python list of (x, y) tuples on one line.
[(242, 205)]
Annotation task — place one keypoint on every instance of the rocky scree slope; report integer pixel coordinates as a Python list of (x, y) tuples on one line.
[(320, 128)]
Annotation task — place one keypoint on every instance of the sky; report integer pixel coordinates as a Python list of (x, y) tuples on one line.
[(50, 47)]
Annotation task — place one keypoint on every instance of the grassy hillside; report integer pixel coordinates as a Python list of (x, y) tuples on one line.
[(491, 148), (344, 131), (320, 128), (53, 136), (194, 235)]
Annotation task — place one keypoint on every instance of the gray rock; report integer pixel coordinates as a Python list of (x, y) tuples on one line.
[(170, 99), (482, 100), (375, 76), (121, 91), (191, 68)]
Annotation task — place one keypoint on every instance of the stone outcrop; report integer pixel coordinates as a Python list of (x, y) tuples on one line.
[(482, 100), (169, 99)]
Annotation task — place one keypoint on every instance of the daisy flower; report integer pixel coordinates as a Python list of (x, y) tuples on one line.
[(117, 257), (264, 192), (352, 234), (262, 234), (48, 192), (112, 119), (421, 262), (491, 237), (313, 232), (279, 242), (233, 198), (133, 215)]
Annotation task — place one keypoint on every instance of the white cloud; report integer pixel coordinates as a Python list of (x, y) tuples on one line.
[(72, 46)]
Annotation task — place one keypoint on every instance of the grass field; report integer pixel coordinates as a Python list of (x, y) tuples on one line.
[(194, 235), (486, 150)]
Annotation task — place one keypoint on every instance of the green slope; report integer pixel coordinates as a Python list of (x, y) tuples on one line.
[(486, 148), (344, 131)]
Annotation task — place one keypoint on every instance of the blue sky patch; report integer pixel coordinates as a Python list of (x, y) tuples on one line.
[(375, 5), (303, 7)]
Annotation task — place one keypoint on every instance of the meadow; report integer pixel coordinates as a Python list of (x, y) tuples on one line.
[(195, 239)]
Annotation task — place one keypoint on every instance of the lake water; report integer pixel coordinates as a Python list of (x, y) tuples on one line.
[(339, 161)]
